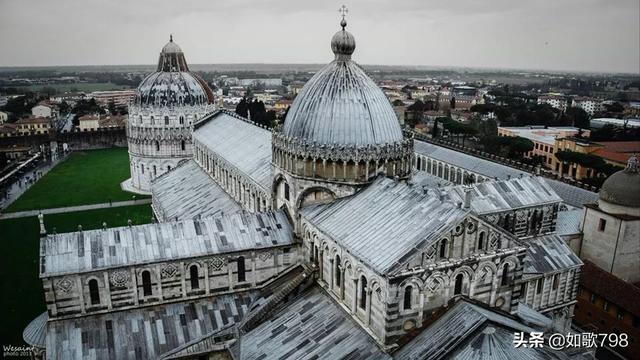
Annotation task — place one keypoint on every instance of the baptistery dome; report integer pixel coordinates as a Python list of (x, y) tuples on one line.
[(167, 104), (341, 105), (173, 84)]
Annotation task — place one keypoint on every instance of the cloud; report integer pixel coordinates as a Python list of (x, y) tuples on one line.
[(596, 35)]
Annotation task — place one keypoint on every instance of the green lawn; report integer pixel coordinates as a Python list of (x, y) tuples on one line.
[(87, 177), (22, 297)]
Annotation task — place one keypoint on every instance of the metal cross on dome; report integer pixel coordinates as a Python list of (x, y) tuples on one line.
[(343, 11)]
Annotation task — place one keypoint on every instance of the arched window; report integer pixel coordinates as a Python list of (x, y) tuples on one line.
[(153, 121), (94, 292), (311, 251), (443, 248), (181, 120), (166, 120), (168, 167), (140, 118), (157, 145), (481, 241), (505, 275), (193, 274), (241, 270), (286, 191), (337, 270), (146, 283), (418, 163), (458, 287), (183, 145), (363, 292), (408, 293), (155, 170)]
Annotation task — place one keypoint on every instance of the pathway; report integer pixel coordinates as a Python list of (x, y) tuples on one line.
[(74, 208)]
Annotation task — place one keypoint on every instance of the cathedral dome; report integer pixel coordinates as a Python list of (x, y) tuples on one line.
[(341, 105), (623, 187), (173, 84)]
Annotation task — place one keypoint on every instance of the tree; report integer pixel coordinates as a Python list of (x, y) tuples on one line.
[(242, 108), (577, 117), (111, 106)]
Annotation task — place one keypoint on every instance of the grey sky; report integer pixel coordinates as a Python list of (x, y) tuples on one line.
[(584, 35)]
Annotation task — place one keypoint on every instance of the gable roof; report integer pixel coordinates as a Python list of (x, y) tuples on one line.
[(548, 254), (145, 332), (188, 192), (84, 251), (470, 331), (495, 196), (241, 143), (311, 327), (384, 222), (570, 194)]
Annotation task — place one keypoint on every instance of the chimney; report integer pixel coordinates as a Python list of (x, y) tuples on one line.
[(467, 197)]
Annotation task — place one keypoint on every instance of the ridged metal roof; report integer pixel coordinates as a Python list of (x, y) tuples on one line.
[(341, 105), (570, 194), (495, 196), (244, 145), (146, 332), (384, 222), (310, 327), (91, 250), (548, 254), (188, 191)]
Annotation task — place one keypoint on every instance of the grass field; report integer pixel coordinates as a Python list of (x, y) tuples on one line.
[(88, 177), (22, 299), (84, 87)]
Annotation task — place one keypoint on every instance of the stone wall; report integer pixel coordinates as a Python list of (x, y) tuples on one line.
[(151, 284)]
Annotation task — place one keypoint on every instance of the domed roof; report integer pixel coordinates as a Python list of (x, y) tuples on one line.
[(173, 84), (341, 105), (171, 47), (623, 187)]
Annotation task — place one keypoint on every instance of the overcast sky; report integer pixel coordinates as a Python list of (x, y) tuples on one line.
[(584, 35)]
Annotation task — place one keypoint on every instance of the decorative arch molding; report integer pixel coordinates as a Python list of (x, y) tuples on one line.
[(313, 189), (513, 262), (436, 282), (466, 271)]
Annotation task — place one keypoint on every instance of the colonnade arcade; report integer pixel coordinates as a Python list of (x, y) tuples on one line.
[(348, 163), (251, 195)]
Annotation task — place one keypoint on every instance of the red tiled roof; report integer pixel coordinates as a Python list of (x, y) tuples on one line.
[(610, 287), (621, 146)]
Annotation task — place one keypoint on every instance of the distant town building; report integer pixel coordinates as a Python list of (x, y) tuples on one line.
[(33, 126), (263, 82), (556, 101), (4, 116), (612, 152), (16, 152), (629, 123), (118, 97), (45, 109), (543, 138), (590, 105), (88, 122)]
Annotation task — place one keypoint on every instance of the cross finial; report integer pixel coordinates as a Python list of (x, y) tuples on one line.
[(343, 11)]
